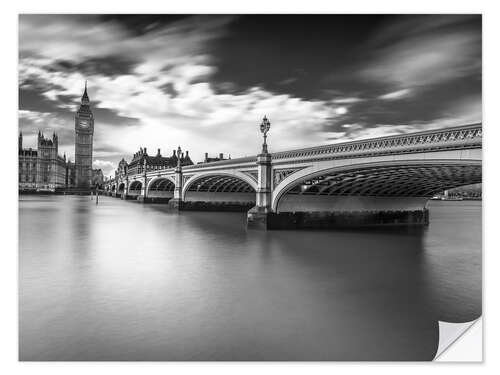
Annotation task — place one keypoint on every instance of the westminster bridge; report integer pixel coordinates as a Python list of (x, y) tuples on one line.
[(378, 181)]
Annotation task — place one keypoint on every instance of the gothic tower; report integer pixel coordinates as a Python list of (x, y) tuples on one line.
[(84, 132)]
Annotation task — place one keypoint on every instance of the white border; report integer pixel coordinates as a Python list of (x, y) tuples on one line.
[(8, 100)]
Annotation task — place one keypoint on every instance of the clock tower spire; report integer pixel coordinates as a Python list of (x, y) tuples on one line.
[(85, 96), (84, 133)]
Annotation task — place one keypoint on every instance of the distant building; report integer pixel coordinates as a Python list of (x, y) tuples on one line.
[(122, 169), (158, 161), (97, 177), (474, 191), (210, 160), (70, 174), (42, 169)]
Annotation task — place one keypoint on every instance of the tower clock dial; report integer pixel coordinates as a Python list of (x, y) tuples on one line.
[(84, 123)]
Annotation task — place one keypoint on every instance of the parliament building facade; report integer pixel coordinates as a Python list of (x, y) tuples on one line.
[(44, 170)]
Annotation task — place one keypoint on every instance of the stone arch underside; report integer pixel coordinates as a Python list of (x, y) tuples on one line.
[(161, 187), (219, 188), (135, 188), (381, 187)]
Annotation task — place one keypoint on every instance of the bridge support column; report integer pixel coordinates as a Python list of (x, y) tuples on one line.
[(176, 202), (257, 217), (125, 193), (143, 197)]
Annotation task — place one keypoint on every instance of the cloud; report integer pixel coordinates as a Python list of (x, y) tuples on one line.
[(33, 116), (426, 51), (396, 94), (411, 67), (109, 65), (341, 110), (288, 81), (107, 167), (347, 100)]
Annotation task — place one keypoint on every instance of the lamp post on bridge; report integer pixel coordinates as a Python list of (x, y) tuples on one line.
[(176, 202), (125, 188), (264, 128), (144, 189), (257, 217)]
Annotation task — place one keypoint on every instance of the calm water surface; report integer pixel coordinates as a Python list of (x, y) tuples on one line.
[(126, 281)]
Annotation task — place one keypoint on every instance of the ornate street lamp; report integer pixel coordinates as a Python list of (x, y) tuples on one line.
[(264, 128)]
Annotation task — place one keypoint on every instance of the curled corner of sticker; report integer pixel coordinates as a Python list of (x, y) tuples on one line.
[(449, 333)]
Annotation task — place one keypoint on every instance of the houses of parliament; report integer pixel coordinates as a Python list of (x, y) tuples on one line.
[(44, 170)]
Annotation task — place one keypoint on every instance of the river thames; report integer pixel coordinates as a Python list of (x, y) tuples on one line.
[(127, 281)]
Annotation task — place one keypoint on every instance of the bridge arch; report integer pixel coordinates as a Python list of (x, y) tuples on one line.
[(160, 187), (121, 188), (216, 185), (134, 188), (376, 185)]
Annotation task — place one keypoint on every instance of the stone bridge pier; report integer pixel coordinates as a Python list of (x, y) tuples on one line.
[(258, 216), (143, 194), (176, 202)]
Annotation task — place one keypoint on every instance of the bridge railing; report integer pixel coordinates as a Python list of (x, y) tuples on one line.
[(456, 137), (243, 160)]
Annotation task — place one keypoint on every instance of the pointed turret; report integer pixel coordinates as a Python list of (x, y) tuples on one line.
[(55, 140), (85, 96)]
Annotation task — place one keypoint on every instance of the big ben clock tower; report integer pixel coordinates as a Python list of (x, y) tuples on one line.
[(84, 132)]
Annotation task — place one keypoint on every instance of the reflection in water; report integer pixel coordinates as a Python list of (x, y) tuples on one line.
[(125, 281)]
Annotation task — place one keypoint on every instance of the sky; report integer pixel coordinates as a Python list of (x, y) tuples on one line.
[(204, 82)]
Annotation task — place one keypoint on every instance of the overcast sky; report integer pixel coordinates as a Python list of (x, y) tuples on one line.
[(205, 82)]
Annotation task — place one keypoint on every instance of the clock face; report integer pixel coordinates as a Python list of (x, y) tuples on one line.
[(84, 123)]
